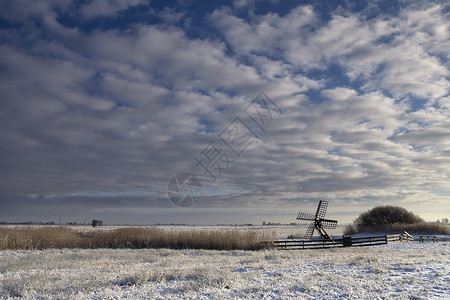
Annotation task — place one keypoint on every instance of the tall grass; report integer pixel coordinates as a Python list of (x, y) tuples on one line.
[(29, 238), (416, 228)]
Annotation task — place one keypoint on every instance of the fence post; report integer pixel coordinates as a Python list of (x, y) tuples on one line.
[(347, 240), (407, 236)]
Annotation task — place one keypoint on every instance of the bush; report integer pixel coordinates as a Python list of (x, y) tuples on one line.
[(392, 219), (383, 215)]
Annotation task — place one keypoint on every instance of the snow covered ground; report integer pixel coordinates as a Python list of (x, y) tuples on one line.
[(394, 271)]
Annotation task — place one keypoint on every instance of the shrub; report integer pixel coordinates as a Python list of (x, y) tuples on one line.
[(383, 215), (392, 219)]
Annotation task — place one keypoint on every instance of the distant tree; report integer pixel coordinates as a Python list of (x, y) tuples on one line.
[(385, 218), (445, 220), (384, 215), (96, 223)]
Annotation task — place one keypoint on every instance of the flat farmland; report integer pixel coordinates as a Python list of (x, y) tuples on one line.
[(396, 271)]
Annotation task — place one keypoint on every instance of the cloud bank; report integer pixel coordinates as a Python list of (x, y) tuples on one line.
[(102, 102)]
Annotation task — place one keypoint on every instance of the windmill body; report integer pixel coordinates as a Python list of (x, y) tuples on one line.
[(318, 223)]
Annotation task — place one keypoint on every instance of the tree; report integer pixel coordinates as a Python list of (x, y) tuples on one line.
[(384, 215), (96, 223), (385, 218)]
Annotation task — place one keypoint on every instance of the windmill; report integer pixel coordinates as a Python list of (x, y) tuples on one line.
[(319, 223)]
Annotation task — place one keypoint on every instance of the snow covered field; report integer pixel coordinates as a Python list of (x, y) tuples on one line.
[(401, 270)]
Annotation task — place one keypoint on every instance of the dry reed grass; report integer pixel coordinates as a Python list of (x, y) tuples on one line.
[(416, 228), (30, 238)]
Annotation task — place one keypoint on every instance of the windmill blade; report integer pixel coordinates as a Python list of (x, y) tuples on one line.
[(310, 231), (329, 224), (305, 216), (321, 209), (328, 220)]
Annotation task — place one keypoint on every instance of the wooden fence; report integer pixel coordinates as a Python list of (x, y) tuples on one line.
[(345, 241)]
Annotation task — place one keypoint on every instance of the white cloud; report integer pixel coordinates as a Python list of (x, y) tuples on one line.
[(127, 109), (239, 4), (21, 10), (107, 8), (268, 34), (403, 64), (400, 55), (38, 85), (36, 13), (174, 59)]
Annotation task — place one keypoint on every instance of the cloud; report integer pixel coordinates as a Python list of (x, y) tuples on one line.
[(399, 54), (390, 54), (97, 114), (107, 8), (107, 110), (21, 10), (266, 35), (171, 57)]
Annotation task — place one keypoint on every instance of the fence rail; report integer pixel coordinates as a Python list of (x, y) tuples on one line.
[(345, 241)]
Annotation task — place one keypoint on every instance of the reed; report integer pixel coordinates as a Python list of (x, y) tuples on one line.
[(31, 238), (416, 228)]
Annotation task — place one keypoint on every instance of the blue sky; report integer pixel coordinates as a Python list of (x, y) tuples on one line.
[(103, 102)]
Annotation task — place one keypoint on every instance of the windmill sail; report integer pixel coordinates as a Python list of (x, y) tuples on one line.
[(305, 216), (310, 231), (322, 209)]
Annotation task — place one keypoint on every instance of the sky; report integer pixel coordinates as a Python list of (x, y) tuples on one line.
[(219, 112)]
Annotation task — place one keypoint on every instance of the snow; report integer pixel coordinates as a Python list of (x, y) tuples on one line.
[(395, 271)]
